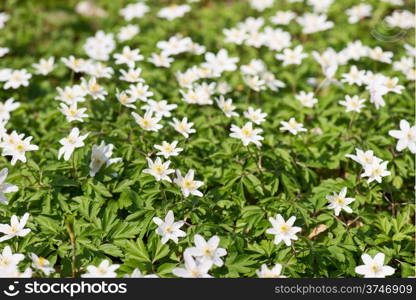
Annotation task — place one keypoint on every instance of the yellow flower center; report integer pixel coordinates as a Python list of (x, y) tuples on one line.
[(146, 123), (284, 228), (13, 229), (95, 88), (339, 200), (16, 77), (188, 183), (42, 261), (246, 132), (293, 124), (375, 268), (72, 112), (390, 84), (4, 261), (20, 147)]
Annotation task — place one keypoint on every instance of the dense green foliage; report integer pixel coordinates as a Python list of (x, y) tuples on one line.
[(76, 220)]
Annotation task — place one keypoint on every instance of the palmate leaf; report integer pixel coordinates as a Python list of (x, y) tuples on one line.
[(239, 264)]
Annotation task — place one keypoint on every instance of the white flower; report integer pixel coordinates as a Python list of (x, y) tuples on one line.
[(247, 134), (71, 95), (173, 11), (354, 76), (128, 57), (283, 230), (276, 39), (195, 48), (265, 272), (294, 56), (193, 269), (292, 126), (271, 81), (186, 79), (90, 9), (6, 187), (283, 17), (226, 106), (256, 116), (353, 103), (175, 45), (255, 67), (377, 90), (4, 17), (45, 66), (188, 185), (100, 155), (161, 60), (5, 74), (255, 83), (100, 46), (169, 229), (337, 202), (379, 55), (376, 170), (98, 70), (159, 170), (261, 5), (140, 91), (199, 94), (411, 74), (312, 23), (220, 62), (251, 24), (127, 32), (104, 270), (168, 149), (374, 267), (134, 10), (132, 75), (17, 78), (402, 19), (404, 65), (358, 12), (392, 85), (70, 143), (125, 99), (75, 64), (16, 145), (160, 108), (8, 260), (255, 39), (329, 61), (223, 87), (72, 113), (138, 274), (42, 264), (363, 158), (307, 99), (15, 273), (6, 108), (147, 122), (406, 136), (183, 127), (94, 89), (235, 35), (207, 250), (320, 6), (15, 228)]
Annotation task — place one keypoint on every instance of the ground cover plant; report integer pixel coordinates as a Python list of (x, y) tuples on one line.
[(207, 138)]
